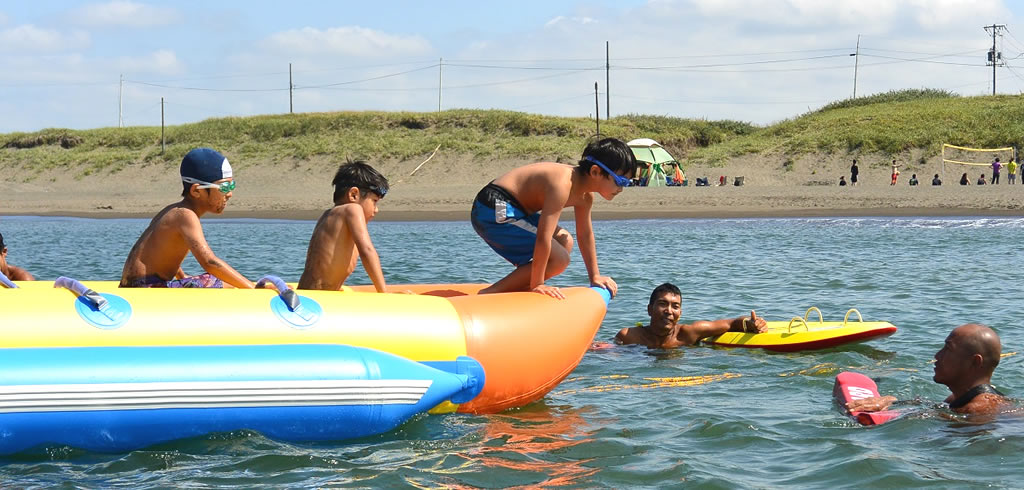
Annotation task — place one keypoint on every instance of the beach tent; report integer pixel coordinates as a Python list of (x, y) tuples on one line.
[(649, 151)]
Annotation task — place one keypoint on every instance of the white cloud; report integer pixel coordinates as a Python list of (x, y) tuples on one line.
[(124, 13), (162, 62), (351, 41), (28, 39), (562, 20)]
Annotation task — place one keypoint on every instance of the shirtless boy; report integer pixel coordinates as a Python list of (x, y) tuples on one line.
[(155, 260), (12, 272), (517, 215), (340, 237), (665, 331)]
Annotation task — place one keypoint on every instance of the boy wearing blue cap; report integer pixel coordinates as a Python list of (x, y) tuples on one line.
[(155, 260), (340, 237), (517, 215)]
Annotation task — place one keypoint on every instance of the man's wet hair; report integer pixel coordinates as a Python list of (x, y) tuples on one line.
[(662, 289), (361, 176), (613, 153)]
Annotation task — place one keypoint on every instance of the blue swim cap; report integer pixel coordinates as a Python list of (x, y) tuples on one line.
[(205, 164)]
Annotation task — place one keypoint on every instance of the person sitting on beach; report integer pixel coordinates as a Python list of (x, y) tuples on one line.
[(936, 180), (9, 270), (964, 180), (665, 331), (340, 237), (155, 259), (517, 215), (895, 173), (913, 179), (964, 364), (842, 180), (981, 179)]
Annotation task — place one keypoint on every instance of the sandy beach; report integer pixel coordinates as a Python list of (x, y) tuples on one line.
[(444, 188)]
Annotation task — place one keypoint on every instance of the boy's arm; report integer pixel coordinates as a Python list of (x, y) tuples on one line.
[(192, 231), (588, 249), (554, 201), (356, 223)]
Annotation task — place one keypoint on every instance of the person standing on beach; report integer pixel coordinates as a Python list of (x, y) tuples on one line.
[(9, 270), (854, 171), (996, 165), (517, 215), (1011, 171), (155, 259), (895, 173)]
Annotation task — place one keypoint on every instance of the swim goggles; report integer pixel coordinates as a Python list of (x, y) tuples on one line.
[(619, 180), (225, 187)]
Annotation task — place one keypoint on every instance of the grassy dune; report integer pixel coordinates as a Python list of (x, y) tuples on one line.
[(885, 123)]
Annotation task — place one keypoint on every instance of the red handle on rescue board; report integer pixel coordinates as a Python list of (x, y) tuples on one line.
[(855, 386)]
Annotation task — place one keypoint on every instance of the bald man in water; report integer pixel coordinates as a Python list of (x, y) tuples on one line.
[(965, 364)]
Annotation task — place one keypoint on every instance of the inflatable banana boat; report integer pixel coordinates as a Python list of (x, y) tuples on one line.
[(103, 368), (801, 333)]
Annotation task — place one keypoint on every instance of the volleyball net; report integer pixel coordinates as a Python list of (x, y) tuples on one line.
[(962, 155)]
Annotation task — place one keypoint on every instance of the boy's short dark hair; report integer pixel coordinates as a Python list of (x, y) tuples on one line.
[(613, 153), (662, 289), (361, 176)]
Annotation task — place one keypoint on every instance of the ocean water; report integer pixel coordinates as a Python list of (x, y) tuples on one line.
[(744, 418)]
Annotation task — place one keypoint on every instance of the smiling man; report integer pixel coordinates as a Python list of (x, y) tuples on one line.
[(155, 260), (665, 331)]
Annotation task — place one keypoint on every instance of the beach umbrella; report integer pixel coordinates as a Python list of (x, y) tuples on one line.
[(649, 151)]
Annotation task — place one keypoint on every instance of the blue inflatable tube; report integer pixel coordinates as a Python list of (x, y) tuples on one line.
[(115, 399)]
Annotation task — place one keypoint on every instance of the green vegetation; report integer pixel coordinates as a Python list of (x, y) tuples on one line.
[(891, 123)]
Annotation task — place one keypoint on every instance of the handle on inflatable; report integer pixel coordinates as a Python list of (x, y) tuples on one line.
[(852, 310), (286, 293), (821, 319), (92, 297), (7, 282), (797, 319)]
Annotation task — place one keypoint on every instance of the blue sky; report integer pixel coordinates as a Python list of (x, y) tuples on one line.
[(751, 60)]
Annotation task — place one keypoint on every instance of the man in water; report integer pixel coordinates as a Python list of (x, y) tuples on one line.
[(964, 364), (665, 332)]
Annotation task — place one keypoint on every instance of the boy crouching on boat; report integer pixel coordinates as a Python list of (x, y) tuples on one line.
[(155, 260), (517, 215), (340, 237)]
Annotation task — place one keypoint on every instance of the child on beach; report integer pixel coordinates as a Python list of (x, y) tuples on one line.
[(9, 270), (340, 237), (517, 215), (895, 173), (155, 259)]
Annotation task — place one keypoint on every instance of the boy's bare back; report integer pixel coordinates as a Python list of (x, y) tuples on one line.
[(163, 246), (332, 252), (537, 183)]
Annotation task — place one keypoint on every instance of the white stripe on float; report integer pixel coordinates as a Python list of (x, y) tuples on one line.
[(206, 394)]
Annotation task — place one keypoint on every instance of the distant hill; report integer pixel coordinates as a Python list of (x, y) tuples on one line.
[(890, 123)]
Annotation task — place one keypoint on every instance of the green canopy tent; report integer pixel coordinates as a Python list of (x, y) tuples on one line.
[(649, 151)]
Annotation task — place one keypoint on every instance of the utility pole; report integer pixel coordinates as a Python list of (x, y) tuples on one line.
[(291, 89), (440, 66), (597, 110), (994, 56), (120, 105), (856, 61), (607, 90), (163, 141)]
